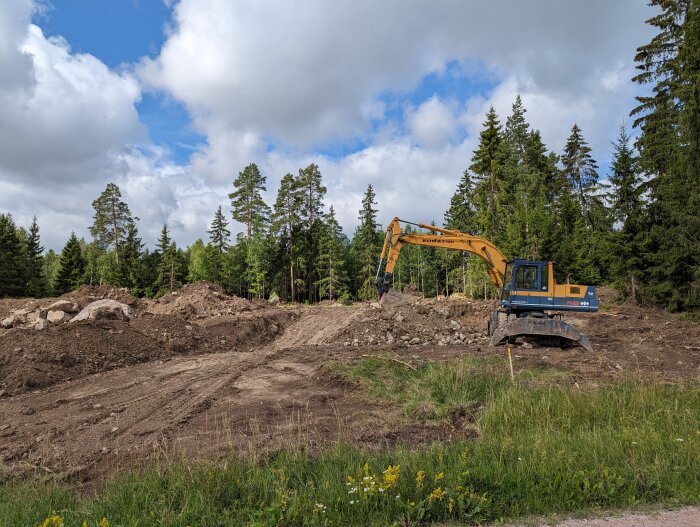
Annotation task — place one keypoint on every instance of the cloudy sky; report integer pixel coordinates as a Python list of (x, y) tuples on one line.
[(171, 99)]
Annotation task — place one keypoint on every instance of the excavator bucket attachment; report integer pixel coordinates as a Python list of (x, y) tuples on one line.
[(393, 298), (540, 327)]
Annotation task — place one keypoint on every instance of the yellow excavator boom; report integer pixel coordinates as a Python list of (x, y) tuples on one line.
[(447, 239)]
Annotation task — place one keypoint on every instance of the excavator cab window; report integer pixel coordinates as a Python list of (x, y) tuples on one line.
[(526, 277)]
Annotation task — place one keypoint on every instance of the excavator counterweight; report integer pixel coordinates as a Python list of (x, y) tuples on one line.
[(530, 300)]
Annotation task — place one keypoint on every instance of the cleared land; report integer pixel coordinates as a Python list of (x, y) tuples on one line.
[(200, 374)]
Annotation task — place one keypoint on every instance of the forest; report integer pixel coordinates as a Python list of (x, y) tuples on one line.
[(636, 228)]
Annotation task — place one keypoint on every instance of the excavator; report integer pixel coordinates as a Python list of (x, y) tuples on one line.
[(531, 302)]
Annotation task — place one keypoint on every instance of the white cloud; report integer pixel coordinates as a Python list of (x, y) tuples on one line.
[(433, 123)]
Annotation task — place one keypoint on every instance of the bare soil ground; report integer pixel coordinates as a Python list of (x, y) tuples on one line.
[(200, 372)]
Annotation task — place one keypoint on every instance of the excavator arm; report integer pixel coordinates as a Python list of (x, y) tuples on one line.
[(444, 238)]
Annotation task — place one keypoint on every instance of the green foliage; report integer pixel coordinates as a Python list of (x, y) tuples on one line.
[(247, 203), (331, 261), (71, 266), (36, 284), (366, 246), (11, 275), (111, 221), (669, 147)]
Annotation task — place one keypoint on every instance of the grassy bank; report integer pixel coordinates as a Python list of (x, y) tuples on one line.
[(543, 448)]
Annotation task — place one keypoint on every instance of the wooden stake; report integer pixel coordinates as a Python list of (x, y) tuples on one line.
[(510, 363)]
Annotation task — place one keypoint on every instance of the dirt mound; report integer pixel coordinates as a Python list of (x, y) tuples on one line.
[(200, 300), (86, 294), (429, 321), (35, 359)]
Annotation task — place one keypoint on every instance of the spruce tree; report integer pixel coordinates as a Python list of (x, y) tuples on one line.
[(218, 232), (669, 148), (367, 246), (11, 275), (628, 211), (71, 266), (219, 236), (247, 203), (487, 167), (581, 170), (461, 214), (168, 263), (111, 221), (130, 270), (36, 285)]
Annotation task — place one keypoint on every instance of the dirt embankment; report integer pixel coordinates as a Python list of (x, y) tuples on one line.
[(198, 319), (202, 372)]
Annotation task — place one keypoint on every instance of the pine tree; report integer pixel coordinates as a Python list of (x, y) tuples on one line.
[(286, 224), (36, 285), (311, 191), (331, 259), (581, 170), (72, 266), (367, 246), (111, 221), (247, 202), (11, 276)]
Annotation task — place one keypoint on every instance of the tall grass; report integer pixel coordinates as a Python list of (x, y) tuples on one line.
[(543, 448)]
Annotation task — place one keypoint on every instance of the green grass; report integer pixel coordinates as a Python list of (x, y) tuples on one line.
[(543, 449)]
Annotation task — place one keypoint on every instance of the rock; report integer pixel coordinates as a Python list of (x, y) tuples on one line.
[(455, 325), (389, 338), (56, 316), (18, 349), (64, 305), (414, 340), (41, 324), (398, 317), (405, 337), (274, 298), (8, 322), (104, 309), (375, 305)]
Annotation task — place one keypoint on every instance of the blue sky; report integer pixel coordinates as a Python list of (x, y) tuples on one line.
[(171, 99)]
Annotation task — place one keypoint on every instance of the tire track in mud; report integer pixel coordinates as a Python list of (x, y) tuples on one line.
[(75, 426)]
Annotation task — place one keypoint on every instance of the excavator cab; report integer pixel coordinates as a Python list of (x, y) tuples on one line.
[(525, 276)]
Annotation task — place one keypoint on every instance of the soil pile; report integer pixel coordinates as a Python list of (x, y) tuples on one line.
[(198, 301), (440, 322)]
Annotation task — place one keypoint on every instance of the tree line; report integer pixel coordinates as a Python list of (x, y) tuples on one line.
[(638, 230)]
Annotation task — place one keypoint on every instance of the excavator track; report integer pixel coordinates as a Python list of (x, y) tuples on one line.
[(538, 327)]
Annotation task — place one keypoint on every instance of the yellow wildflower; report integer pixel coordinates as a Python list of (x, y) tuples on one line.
[(391, 476), (450, 505), (53, 521), (420, 478), (436, 494), (85, 523), (439, 476), (104, 522)]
